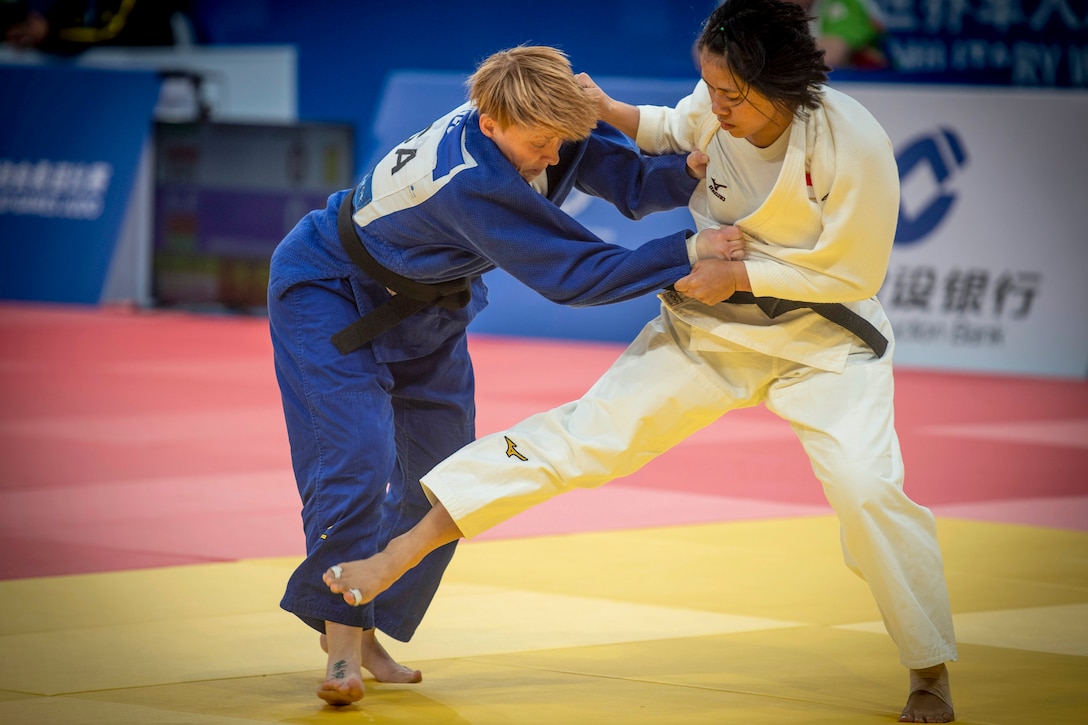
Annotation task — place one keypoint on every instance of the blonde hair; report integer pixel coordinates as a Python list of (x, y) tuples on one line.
[(533, 86)]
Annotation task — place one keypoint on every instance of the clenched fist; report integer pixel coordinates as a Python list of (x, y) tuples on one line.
[(713, 280)]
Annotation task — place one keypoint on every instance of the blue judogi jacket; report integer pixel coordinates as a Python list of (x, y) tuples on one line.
[(446, 204)]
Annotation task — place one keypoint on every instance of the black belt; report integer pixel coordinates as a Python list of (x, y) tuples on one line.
[(838, 313), (410, 297)]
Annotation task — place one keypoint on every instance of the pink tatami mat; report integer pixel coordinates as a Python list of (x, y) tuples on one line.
[(141, 439)]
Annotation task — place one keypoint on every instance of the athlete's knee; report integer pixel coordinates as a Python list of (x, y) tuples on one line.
[(853, 486)]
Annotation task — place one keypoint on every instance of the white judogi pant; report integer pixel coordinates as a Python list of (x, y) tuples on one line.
[(660, 391)]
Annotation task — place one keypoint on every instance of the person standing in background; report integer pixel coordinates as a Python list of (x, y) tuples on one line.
[(850, 32)]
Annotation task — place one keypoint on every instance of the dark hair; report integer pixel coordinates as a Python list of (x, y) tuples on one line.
[(768, 46)]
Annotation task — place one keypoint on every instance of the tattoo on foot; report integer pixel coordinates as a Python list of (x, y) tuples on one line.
[(340, 670)]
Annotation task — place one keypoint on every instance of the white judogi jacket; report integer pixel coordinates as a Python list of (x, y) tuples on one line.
[(824, 234), (828, 245)]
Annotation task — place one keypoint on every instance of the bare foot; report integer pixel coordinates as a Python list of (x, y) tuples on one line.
[(930, 698), (378, 662), (339, 688), (361, 580), (384, 668), (343, 683)]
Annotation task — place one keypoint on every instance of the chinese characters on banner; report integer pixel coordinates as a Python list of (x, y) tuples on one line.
[(1012, 42), (961, 306), (54, 189), (987, 269)]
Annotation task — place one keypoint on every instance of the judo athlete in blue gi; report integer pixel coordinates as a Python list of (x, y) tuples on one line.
[(369, 300)]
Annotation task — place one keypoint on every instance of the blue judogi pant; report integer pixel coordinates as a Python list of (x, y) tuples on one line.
[(363, 428)]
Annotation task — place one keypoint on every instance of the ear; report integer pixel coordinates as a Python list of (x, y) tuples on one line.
[(488, 125)]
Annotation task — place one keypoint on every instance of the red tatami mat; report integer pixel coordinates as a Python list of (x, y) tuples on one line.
[(145, 438)]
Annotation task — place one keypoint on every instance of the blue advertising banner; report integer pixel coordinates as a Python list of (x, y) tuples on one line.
[(1041, 43), (70, 143)]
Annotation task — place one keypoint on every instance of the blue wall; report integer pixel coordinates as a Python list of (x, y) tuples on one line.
[(347, 47)]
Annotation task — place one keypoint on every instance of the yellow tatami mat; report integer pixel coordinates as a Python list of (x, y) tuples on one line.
[(755, 622)]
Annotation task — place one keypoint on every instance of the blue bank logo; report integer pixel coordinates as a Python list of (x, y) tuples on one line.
[(927, 170)]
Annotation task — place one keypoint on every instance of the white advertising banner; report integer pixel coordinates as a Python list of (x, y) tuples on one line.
[(990, 266)]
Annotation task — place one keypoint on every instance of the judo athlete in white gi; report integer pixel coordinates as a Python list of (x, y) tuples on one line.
[(369, 300), (810, 178)]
